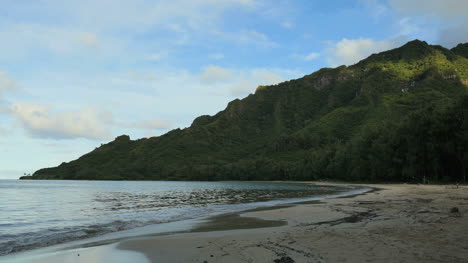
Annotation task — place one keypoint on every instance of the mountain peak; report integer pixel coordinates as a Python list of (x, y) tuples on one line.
[(461, 50), (413, 50), (415, 43)]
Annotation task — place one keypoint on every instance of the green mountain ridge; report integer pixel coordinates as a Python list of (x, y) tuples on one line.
[(400, 115)]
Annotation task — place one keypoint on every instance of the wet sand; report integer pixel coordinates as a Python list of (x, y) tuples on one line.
[(398, 223)]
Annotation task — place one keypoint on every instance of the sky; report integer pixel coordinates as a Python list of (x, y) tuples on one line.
[(76, 74)]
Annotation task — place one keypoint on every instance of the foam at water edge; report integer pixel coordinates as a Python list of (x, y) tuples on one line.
[(106, 253)]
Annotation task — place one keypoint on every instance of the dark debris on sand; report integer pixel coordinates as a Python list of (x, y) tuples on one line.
[(284, 259)]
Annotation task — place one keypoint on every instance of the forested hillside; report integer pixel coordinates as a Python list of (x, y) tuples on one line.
[(400, 115)]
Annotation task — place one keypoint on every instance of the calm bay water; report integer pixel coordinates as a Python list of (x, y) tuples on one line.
[(43, 213)]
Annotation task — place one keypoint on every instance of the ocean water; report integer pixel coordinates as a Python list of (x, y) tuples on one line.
[(43, 213)]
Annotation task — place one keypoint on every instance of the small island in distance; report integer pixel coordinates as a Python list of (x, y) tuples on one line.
[(396, 116)]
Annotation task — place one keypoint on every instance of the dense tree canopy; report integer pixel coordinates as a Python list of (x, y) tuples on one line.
[(400, 115)]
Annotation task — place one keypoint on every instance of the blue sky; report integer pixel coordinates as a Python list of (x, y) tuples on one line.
[(77, 73)]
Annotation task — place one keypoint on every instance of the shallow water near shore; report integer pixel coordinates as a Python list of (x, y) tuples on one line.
[(44, 213)]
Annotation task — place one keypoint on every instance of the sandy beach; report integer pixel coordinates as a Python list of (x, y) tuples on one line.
[(397, 223)]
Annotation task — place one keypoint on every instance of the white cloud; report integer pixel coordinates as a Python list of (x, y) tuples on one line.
[(153, 124), (407, 27), (40, 121), (307, 57), (376, 9), (452, 16), (88, 39), (266, 77), (235, 82), (247, 37), (25, 40), (157, 56), (311, 56), (287, 25), (213, 74), (252, 36), (112, 26), (147, 126), (350, 51), (251, 80), (138, 15), (6, 83)]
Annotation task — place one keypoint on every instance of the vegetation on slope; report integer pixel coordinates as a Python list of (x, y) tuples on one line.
[(400, 115)]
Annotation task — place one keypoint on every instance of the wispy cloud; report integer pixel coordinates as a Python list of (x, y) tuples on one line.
[(247, 37), (152, 124), (112, 27), (287, 25), (214, 74), (87, 38), (407, 27), (350, 51), (235, 82), (452, 15), (311, 56), (6, 83), (157, 56), (40, 121), (90, 69), (376, 8), (305, 57), (216, 56), (24, 41)]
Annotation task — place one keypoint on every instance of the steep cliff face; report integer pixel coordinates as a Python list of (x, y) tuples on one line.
[(352, 123)]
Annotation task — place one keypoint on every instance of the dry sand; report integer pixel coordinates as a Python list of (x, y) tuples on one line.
[(399, 223)]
